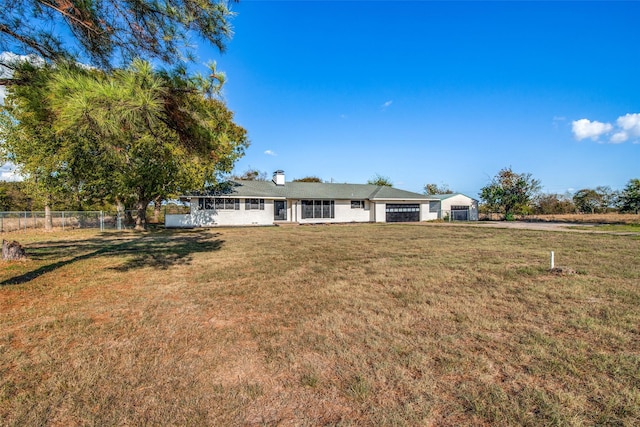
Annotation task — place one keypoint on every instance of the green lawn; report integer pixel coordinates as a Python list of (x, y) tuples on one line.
[(321, 325)]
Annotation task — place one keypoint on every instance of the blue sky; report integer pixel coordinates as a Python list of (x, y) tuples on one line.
[(438, 92)]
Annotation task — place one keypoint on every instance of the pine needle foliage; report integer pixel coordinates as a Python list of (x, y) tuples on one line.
[(108, 33), (135, 134)]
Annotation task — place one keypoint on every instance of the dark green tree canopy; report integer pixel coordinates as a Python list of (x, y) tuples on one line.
[(510, 192), (380, 180), (431, 189), (551, 203), (630, 197), (308, 179), (592, 200), (112, 32), (252, 175)]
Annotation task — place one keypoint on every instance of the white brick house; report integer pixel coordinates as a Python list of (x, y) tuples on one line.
[(278, 201)]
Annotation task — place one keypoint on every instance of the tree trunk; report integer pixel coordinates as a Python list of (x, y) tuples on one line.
[(12, 251), (141, 218), (48, 221), (157, 208)]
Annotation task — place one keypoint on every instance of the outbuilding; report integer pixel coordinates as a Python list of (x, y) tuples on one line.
[(454, 207)]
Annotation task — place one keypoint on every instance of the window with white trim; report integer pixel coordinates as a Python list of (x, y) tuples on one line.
[(318, 209), (219, 204), (253, 204), (357, 204)]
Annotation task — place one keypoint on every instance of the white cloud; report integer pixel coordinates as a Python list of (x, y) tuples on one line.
[(630, 123), (270, 153), (619, 137), (627, 127), (386, 104), (585, 128)]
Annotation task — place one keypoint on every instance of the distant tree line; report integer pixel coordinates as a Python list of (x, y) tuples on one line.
[(511, 193)]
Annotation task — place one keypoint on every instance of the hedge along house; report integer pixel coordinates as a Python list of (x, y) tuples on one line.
[(454, 207), (277, 201)]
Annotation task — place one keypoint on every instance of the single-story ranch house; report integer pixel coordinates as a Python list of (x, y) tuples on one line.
[(274, 202)]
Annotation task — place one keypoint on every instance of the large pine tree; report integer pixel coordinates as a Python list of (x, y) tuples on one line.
[(111, 33)]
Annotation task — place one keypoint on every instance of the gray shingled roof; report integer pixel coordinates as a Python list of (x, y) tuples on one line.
[(447, 196), (314, 190)]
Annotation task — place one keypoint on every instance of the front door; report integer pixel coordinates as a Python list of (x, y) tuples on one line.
[(280, 210)]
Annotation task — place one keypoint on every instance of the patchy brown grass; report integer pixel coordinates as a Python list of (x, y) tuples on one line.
[(349, 325), (607, 218)]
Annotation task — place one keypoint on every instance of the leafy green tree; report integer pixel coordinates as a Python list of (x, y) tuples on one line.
[(432, 189), (133, 135), (380, 180), (608, 197), (252, 175), (28, 139), (548, 204), (13, 197), (101, 30), (510, 192), (630, 197), (308, 179), (588, 200)]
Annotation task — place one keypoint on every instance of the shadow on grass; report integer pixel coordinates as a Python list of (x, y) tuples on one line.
[(159, 250)]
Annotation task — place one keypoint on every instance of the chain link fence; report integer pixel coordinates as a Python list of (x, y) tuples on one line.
[(59, 220), (72, 220)]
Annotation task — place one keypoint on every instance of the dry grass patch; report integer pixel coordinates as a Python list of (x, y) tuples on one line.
[(350, 325), (604, 218)]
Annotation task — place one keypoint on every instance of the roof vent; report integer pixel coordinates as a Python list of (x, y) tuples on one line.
[(278, 177)]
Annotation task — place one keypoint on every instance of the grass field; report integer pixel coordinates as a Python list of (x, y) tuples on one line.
[(326, 325), (606, 218)]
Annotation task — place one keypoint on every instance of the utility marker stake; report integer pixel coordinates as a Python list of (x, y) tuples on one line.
[(552, 263)]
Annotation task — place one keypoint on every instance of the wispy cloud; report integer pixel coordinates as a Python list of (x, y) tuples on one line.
[(270, 153), (557, 120), (627, 127), (386, 105)]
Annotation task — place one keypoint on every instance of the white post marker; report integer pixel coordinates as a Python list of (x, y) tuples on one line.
[(552, 261)]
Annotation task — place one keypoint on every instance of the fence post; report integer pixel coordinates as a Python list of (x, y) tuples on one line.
[(101, 221), (62, 220), (25, 221)]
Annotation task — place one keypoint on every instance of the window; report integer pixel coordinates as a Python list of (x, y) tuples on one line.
[(318, 209), (254, 204), (205, 204), (219, 204), (357, 204), (227, 204)]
